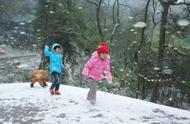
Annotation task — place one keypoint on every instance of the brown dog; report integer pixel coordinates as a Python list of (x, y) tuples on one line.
[(39, 76)]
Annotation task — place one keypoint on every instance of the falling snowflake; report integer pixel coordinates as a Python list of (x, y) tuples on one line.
[(183, 22), (132, 30), (60, 4), (183, 82), (178, 32), (34, 45), (22, 23), (167, 71), (29, 21), (105, 29), (175, 48), (51, 12), (130, 17), (165, 67), (39, 38), (134, 42), (156, 68), (38, 30), (80, 7), (170, 99), (140, 25), (22, 32)]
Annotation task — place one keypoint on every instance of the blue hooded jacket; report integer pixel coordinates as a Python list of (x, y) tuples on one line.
[(55, 58)]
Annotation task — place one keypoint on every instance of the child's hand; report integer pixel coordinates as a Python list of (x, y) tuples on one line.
[(110, 82), (46, 47), (104, 77), (85, 78)]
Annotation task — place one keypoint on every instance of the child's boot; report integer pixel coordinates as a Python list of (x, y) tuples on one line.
[(31, 85), (57, 92), (92, 102), (45, 85), (51, 91)]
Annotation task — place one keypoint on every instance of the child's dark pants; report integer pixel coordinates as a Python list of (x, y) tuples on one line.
[(56, 80)]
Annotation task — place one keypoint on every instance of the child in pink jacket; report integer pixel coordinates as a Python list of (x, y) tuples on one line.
[(96, 69)]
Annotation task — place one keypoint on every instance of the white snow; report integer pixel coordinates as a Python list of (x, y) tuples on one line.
[(140, 25), (132, 30), (167, 71), (80, 7), (60, 4), (23, 66), (51, 12), (22, 104), (183, 22), (22, 32), (130, 17), (156, 68), (22, 23), (182, 1)]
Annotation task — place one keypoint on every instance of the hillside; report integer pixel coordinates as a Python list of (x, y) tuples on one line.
[(24, 105)]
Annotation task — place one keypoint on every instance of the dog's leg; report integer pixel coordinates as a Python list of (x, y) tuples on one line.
[(44, 83), (32, 82)]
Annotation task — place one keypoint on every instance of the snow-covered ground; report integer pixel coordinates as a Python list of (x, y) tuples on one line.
[(24, 105)]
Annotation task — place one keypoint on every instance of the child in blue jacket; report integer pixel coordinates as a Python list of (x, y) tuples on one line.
[(55, 66)]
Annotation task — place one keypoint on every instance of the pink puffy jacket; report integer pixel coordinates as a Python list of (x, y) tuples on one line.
[(97, 69)]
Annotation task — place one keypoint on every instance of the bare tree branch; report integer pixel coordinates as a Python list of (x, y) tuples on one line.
[(113, 11), (98, 19), (92, 2), (98, 7), (116, 21), (143, 31)]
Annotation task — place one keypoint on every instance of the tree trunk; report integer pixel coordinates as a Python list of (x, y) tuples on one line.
[(156, 85), (42, 63), (98, 19), (140, 64)]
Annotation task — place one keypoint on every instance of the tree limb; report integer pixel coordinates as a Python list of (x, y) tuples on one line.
[(98, 7), (92, 2), (116, 21)]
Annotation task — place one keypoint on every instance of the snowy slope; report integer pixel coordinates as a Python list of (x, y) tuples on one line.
[(23, 105)]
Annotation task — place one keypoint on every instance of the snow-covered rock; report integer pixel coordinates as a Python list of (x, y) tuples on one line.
[(21, 104), (16, 65)]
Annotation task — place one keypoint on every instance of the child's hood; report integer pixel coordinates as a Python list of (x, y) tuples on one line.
[(55, 45)]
